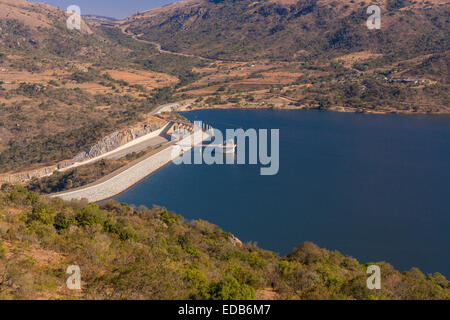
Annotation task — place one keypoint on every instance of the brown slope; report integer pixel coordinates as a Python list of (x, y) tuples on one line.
[(35, 15), (280, 29)]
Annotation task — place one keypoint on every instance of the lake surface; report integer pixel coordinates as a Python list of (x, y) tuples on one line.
[(375, 187)]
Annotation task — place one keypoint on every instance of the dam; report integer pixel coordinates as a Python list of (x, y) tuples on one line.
[(128, 176)]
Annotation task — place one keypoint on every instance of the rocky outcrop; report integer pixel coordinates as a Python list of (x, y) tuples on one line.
[(107, 144), (134, 173), (113, 141), (235, 241), (28, 175)]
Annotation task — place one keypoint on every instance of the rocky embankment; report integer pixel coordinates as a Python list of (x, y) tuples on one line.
[(115, 140), (135, 173), (21, 177), (107, 144)]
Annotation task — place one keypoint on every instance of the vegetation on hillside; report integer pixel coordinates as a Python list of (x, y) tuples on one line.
[(80, 176), (62, 90), (339, 86), (308, 29), (66, 98), (401, 68), (139, 253)]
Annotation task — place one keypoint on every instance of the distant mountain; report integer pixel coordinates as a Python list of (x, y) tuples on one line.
[(58, 94), (295, 30), (97, 20), (100, 18), (40, 32), (62, 90)]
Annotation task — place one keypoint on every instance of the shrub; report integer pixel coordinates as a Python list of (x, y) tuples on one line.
[(64, 220), (53, 83), (307, 253), (169, 218), (155, 264), (2, 251), (124, 233), (230, 289), (81, 77), (286, 267), (197, 282), (40, 214), (91, 215)]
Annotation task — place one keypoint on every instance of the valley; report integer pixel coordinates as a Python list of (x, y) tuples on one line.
[(46, 104), (88, 114)]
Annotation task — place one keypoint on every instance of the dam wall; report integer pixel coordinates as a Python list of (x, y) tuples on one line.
[(87, 160), (114, 142), (129, 177), (21, 177)]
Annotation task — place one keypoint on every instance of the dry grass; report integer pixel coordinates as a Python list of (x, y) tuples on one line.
[(149, 80), (34, 15), (349, 60), (8, 74), (41, 257)]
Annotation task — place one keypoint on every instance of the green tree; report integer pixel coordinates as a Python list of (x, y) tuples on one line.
[(40, 213), (230, 289)]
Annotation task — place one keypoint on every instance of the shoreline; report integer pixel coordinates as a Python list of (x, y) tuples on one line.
[(112, 174), (108, 179), (185, 108), (128, 176), (332, 109)]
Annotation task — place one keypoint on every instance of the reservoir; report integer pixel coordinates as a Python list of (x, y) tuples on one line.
[(375, 187)]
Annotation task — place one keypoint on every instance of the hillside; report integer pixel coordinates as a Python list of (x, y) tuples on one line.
[(310, 53), (295, 30), (140, 253), (62, 90)]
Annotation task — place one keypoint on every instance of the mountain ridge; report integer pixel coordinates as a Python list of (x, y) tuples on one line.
[(279, 29), (314, 54)]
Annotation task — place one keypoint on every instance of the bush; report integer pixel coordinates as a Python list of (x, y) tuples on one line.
[(192, 260), (40, 214), (197, 282), (53, 83), (169, 218), (230, 289), (124, 233), (2, 251), (91, 215), (81, 77), (307, 253), (64, 220)]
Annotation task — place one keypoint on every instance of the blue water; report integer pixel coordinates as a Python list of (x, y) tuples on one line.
[(375, 187)]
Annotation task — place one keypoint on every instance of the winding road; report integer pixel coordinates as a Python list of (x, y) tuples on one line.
[(126, 177), (158, 47)]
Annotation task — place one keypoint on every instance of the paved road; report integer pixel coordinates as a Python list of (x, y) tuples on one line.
[(150, 143), (123, 179), (144, 145), (165, 108), (158, 46), (161, 50)]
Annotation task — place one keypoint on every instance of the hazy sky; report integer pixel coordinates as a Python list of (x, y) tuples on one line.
[(109, 8)]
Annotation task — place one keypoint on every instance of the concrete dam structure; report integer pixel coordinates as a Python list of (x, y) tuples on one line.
[(129, 177)]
